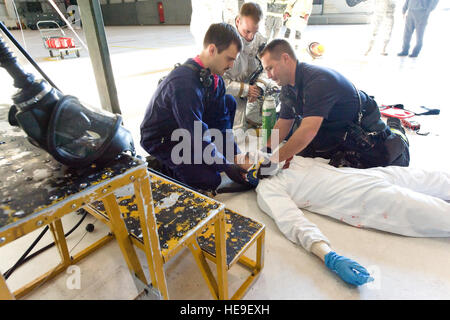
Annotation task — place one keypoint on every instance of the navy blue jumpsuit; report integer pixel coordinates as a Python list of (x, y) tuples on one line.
[(182, 101)]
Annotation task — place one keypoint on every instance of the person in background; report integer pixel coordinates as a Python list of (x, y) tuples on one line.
[(204, 13), (417, 13), (274, 17), (238, 77), (297, 16), (383, 17), (207, 12), (231, 10)]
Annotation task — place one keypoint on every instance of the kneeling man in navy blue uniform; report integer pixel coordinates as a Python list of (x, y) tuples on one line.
[(337, 121), (188, 123)]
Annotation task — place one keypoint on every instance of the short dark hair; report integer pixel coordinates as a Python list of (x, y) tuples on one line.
[(222, 35), (252, 10), (276, 48)]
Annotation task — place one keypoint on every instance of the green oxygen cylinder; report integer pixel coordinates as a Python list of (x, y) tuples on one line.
[(269, 116)]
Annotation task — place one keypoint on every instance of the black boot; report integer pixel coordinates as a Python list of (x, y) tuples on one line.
[(396, 124)]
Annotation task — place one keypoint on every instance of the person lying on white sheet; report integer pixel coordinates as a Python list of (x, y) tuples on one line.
[(400, 200)]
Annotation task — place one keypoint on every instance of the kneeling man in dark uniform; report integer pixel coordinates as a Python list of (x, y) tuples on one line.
[(338, 121), (188, 124)]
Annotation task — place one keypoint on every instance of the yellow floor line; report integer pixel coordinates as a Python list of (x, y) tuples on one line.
[(149, 72), (129, 47)]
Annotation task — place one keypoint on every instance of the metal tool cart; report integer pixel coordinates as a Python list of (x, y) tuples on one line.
[(55, 40)]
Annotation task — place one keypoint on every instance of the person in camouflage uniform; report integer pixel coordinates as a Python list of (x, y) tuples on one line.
[(274, 17), (297, 15), (383, 17)]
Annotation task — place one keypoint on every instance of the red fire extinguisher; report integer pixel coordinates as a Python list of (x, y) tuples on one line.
[(161, 12)]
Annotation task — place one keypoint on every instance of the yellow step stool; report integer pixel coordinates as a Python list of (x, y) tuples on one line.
[(178, 211)]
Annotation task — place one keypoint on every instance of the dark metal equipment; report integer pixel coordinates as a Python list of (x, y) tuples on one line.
[(74, 134), (352, 3)]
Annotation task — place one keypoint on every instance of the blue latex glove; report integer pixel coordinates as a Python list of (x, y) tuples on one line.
[(349, 270)]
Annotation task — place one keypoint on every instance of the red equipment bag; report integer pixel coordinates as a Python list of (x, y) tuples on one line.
[(393, 111)]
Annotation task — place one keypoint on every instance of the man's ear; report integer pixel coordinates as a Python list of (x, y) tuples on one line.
[(285, 57), (212, 49), (238, 21)]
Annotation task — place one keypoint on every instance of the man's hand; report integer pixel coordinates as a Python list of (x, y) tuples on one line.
[(253, 93), (266, 169), (243, 161), (287, 163), (236, 173)]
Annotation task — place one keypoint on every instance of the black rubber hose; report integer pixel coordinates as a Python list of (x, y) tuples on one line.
[(26, 55), (23, 259), (8, 273), (22, 79)]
